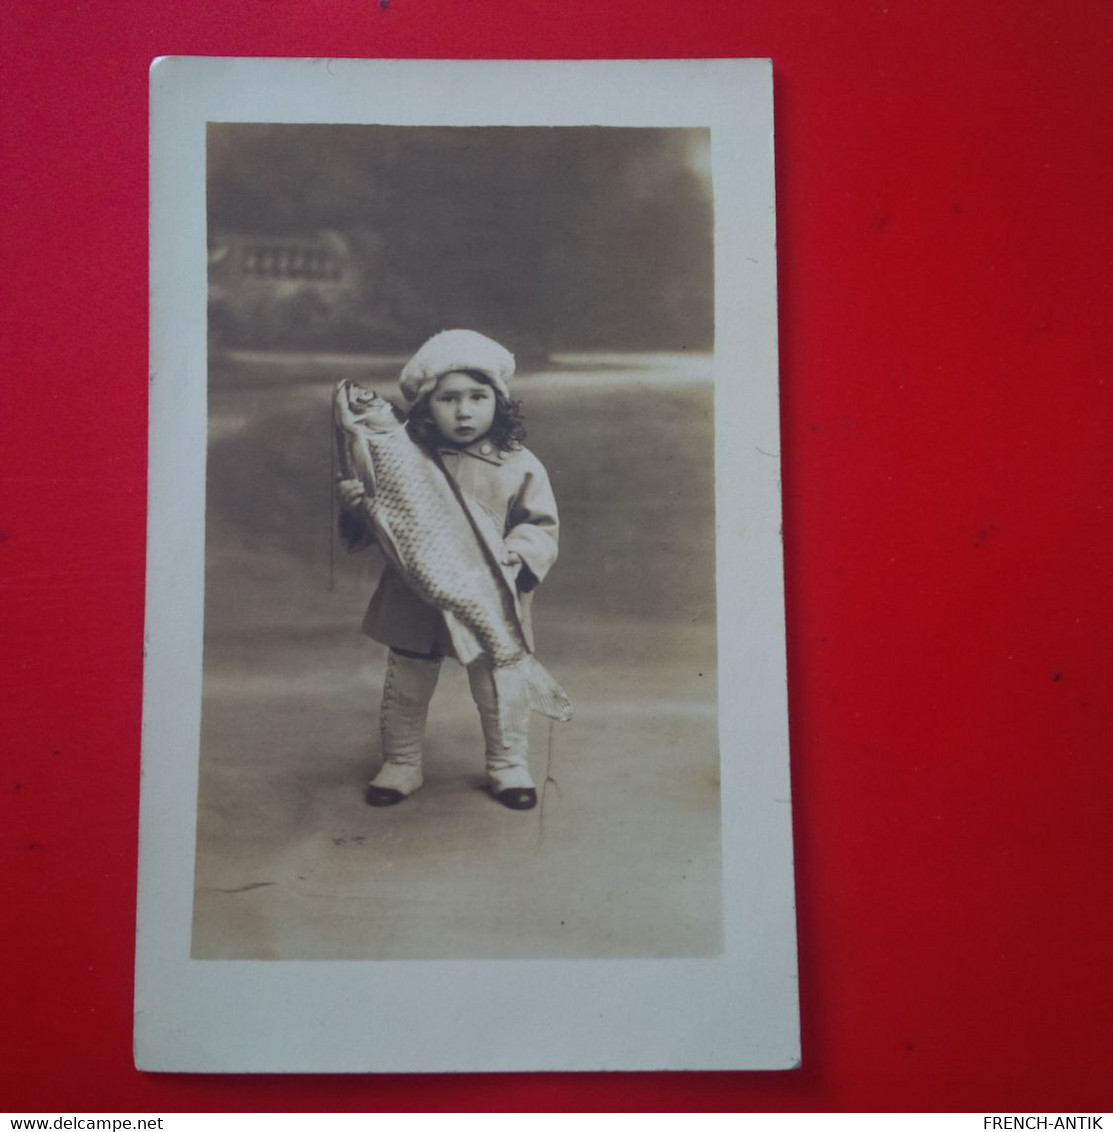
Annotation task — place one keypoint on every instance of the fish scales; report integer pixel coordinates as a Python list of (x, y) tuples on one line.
[(441, 555)]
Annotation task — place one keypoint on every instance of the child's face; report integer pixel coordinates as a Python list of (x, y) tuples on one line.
[(462, 408)]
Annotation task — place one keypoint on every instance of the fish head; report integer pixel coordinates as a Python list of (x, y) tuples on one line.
[(362, 409)]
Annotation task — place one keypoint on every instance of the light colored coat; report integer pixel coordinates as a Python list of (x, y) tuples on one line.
[(513, 489)]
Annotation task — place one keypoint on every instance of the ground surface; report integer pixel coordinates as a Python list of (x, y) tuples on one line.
[(622, 856)]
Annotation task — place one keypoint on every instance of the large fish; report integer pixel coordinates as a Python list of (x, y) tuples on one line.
[(447, 551)]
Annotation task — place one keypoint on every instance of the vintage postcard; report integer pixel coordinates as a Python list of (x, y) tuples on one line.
[(465, 741)]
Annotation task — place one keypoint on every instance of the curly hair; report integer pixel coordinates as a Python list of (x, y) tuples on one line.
[(507, 432)]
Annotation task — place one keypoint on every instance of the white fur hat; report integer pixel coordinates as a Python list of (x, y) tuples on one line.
[(453, 350)]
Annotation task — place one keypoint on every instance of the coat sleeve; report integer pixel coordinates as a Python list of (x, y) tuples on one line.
[(533, 526)]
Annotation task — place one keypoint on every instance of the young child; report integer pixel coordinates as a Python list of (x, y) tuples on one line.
[(457, 386)]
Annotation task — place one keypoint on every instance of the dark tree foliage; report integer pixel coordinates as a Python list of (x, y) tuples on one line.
[(549, 238)]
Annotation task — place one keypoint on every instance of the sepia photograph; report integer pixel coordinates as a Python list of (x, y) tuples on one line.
[(464, 696), (530, 313)]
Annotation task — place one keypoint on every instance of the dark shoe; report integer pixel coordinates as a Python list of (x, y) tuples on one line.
[(517, 798), (381, 796)]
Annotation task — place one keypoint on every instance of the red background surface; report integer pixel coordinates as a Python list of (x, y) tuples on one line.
[(945, 177)]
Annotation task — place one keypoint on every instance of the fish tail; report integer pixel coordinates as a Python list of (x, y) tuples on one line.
[(545, 694), (526, 686)]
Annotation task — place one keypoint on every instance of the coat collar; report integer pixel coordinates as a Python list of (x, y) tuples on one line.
[(481, 449)]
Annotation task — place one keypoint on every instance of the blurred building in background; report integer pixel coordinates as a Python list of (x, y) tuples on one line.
[(281, 291), (366, 239)]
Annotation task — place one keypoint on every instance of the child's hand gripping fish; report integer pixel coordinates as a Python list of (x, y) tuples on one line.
[(449, 553)]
